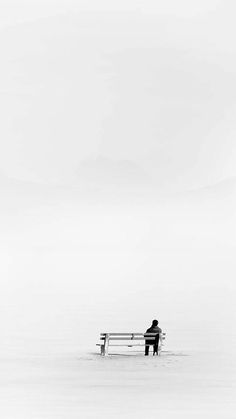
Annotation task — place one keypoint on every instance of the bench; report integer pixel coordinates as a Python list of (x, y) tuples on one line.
[(128, 339)]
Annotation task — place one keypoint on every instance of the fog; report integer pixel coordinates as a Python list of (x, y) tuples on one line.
[(79, 261), (118, 171), (117, 207), (149, 82), (111, 115)]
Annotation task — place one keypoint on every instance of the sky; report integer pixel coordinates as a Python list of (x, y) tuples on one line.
[(149, 82)]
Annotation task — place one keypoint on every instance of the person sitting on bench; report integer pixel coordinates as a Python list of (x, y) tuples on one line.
[(153, 329)]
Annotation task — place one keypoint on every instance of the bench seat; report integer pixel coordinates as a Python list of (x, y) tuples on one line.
[(128, 340)]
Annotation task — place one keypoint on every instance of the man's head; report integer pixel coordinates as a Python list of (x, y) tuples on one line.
[(154, 322)]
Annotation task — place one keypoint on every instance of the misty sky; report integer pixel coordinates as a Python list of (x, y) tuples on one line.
[(148, 81)]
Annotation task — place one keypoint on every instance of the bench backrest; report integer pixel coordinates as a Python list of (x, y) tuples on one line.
[(130, 336)]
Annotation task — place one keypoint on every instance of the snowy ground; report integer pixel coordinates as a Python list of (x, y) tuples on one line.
[(175, 385)]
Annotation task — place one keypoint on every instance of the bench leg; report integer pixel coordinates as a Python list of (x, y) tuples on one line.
[(104, 347), (106, 344), (160, 345)]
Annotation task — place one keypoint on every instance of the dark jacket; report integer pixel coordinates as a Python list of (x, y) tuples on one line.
[(153, 329)]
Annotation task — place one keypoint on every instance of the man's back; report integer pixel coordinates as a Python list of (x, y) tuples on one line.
[(154, 329)]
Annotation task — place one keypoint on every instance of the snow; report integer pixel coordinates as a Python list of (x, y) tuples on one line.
[(174, 385)]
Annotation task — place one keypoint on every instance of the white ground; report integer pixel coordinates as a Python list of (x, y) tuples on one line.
[(175, 385)]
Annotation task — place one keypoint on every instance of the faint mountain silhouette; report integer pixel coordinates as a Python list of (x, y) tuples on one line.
[(101, 171), (221, 193), (3, 178), (225, 187)]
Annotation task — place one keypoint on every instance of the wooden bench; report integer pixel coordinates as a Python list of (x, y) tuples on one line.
[(128, 339)]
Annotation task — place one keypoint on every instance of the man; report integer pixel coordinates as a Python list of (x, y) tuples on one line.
[(153, 329)]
